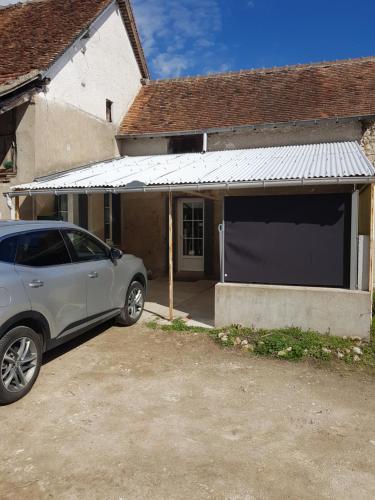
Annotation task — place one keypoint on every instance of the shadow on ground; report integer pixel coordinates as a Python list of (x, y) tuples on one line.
[(76, 342)]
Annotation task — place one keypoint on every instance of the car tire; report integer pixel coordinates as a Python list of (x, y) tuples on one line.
[(134, 304), (20, 362)]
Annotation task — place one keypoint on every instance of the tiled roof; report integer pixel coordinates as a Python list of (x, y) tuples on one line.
[(34, 34), (305, 92)]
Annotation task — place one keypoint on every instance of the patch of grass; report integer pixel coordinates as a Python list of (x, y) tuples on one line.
[(178, 325), (153, 325), (295, 344), (291, 344)]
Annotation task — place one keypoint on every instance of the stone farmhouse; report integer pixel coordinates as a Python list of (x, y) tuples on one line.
[(260, 180)]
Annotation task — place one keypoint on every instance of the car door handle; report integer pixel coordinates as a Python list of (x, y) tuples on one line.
[(93, 274), (36, 284)]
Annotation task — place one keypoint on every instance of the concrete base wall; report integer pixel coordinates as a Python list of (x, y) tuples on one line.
[(334, 311)]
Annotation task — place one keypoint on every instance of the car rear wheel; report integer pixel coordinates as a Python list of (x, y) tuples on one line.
[(134, 304), (20, 361)]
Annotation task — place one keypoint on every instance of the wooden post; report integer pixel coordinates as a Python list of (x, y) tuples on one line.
[(372, 235), (170, 224), (17, 208)]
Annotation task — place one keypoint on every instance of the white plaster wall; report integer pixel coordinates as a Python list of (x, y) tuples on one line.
[(99, 68), (66, 137)]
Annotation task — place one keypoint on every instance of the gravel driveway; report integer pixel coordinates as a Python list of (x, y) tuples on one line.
[(133, 413)]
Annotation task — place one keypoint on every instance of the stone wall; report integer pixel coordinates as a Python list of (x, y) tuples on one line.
[(368, 140)]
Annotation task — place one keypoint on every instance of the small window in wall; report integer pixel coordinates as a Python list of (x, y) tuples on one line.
[(116, 219), (186, 144), (109, 109), (107, 217), (8, 143), (62, 207), (112, 218), (83, 211)]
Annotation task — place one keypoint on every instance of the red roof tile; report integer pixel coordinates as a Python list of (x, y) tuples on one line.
[(34, 34), (305, 92)]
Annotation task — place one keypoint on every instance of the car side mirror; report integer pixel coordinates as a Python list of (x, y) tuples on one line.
[(116, 254)]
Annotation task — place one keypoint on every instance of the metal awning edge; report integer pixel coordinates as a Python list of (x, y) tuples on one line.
[(297, 165), (198, 187)]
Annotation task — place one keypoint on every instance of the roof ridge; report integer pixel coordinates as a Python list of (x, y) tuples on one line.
[(273, 69)]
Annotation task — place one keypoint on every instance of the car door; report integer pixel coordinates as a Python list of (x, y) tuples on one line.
[(54, 287), (93, 257)]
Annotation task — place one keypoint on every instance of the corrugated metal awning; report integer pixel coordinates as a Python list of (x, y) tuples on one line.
[(310, 164)]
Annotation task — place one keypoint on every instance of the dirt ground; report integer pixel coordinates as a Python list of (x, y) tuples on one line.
[(137, 414)]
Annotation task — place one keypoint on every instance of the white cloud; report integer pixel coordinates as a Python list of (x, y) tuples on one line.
[(179, 36), (170, 65), (251, 4)]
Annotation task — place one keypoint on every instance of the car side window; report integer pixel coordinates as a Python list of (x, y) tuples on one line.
[(85, 248), (8, 248), (41, 249)]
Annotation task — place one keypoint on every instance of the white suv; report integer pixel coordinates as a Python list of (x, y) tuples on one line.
[(57, 281)]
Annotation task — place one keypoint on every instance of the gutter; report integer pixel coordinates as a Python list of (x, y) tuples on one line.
[(19, 83), (23, 93), (216, 186), (248, 128)]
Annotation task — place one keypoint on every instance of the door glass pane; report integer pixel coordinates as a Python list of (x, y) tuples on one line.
[(198, 229), (188, 247), (198, 247), (198, 212), (85, 247), (42, 248), (187, 211), (192, 228), (188, 229)]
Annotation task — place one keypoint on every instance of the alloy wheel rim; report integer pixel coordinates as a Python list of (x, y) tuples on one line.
[(135, 303), (19, 364)]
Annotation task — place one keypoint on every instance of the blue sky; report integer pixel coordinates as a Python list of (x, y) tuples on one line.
[(188, 37)]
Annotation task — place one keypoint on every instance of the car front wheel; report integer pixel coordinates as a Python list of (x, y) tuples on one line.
[(20, 361), (134, 303)]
